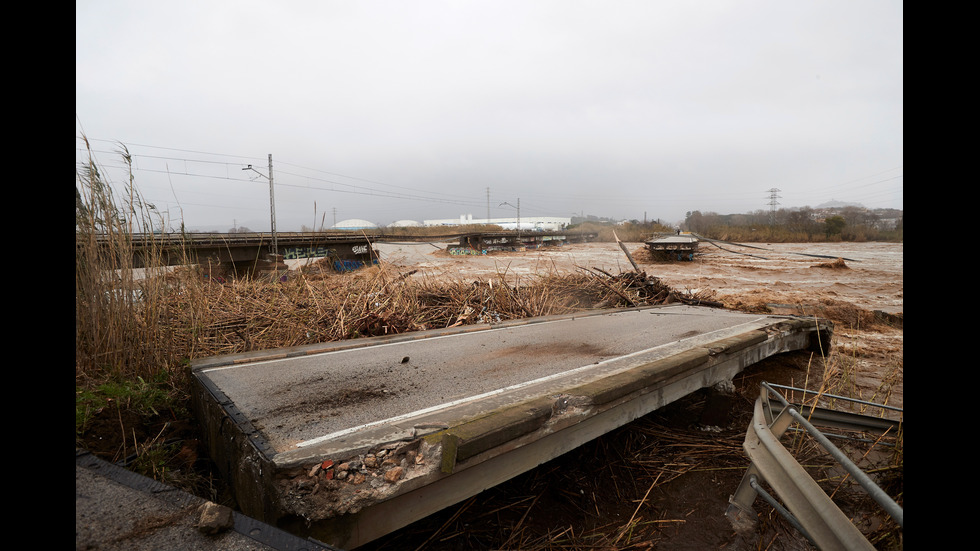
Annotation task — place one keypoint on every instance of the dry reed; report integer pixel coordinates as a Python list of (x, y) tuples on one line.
[(119, 329), (316, 305)]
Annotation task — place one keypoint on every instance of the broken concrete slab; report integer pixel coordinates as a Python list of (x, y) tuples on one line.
[(307, 436)]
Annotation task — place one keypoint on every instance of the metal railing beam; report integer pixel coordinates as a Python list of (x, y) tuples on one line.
[(807, 505)]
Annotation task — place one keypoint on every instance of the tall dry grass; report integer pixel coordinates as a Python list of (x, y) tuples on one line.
[(120, 329), (319, 305), (143, 322)]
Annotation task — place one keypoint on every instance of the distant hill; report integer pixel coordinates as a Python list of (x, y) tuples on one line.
[(834, 204)]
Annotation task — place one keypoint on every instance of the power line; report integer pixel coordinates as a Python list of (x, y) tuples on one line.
[(352, 178), (565, 202), (362, 191), (128, 145), (237, 165), (441, 198)]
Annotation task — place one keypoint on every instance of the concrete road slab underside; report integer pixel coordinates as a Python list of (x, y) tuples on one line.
[(344, 442)]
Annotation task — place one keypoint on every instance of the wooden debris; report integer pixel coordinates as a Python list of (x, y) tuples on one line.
[(625, 250)]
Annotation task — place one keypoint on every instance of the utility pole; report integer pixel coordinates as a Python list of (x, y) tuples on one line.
[(272, 204), (488, 204), (272, 207), (518, 207)]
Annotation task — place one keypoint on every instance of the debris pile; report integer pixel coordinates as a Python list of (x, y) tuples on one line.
[(331, 488), (246, 315), (835, 265), (639, 289), (387, 465)]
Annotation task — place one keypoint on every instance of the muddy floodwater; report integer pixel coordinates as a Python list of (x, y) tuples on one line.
[(870, 277)]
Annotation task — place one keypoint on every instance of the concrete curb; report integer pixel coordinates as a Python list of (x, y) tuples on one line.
[(117, 509), (468, 439)]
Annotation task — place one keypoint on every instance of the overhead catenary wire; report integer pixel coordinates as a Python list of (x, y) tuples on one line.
[(566, 202), (240, 158), (353, 189)]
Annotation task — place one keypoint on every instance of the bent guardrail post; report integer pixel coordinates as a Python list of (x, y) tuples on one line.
[(754, 482), (826, 525), (886, 502), (740, 511)]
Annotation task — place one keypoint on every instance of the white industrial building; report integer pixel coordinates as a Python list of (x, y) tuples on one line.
[(354, 224), (405, 224), (527, 223)]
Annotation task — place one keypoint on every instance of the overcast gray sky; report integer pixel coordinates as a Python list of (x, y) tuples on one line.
[(387, 110)]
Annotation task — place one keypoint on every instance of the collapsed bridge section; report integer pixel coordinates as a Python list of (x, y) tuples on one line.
[(345, 442), (668, 247)]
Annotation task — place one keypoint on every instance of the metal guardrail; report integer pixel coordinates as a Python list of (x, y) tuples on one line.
[(808, 507)]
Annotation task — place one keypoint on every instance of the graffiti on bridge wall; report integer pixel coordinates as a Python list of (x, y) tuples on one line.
[(456, 251), (296, 253), (339, 264), (349, 265)]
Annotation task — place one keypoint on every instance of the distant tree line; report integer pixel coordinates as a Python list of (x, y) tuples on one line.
[(799, 225), (627, 231)]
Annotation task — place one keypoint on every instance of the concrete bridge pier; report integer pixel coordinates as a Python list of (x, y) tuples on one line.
[(267, 266), (271, 266), (718, 403)]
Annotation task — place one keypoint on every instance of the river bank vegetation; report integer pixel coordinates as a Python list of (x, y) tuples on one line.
[(802, 225)]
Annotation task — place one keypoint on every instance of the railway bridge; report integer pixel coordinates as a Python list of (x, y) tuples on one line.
[(254, 252), (250, 252)]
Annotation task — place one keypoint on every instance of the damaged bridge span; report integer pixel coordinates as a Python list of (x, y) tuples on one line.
[(345, 442)]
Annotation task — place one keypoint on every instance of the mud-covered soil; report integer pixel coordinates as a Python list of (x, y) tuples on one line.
[(663, 481)]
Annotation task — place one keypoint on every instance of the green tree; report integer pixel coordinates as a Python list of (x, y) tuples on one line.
[(834, 225)]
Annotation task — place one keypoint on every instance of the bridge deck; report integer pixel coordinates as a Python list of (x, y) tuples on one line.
[(334, 441), (247, 251)]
